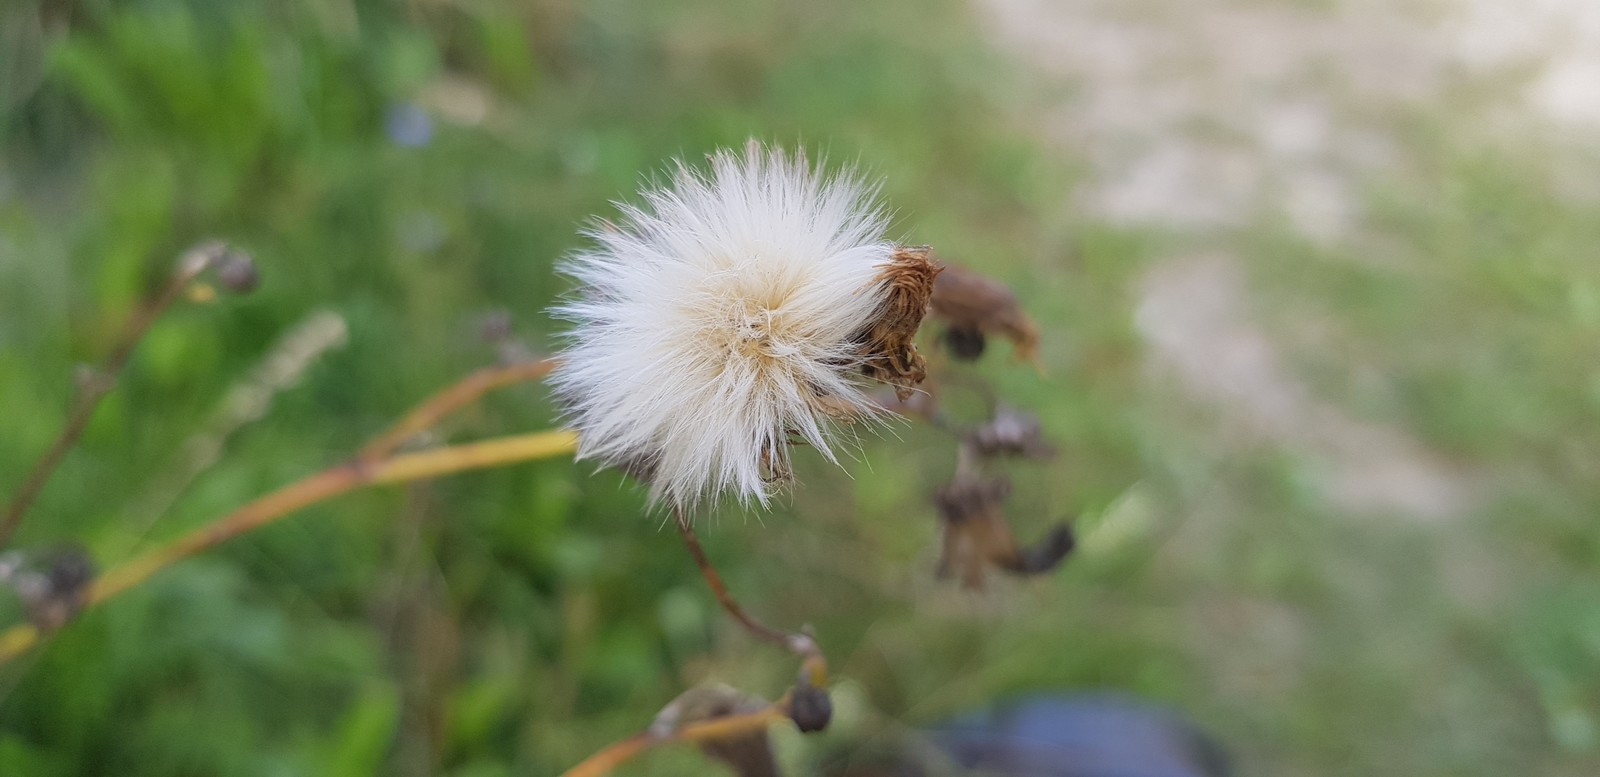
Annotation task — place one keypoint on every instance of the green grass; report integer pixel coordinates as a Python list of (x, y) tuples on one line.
[(511, 622)]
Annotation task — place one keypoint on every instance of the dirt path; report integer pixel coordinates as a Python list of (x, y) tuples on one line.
[(1204, 116)]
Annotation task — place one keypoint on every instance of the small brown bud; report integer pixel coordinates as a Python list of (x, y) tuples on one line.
[(810, 708), (53, 588), (964, 342), (237, 272), (977, 536), (1011, 432)]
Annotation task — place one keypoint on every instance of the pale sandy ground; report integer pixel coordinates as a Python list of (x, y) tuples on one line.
[(1202, 117), (1205, 115)]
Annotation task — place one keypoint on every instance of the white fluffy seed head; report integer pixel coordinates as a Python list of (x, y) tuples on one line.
[(720, 318)]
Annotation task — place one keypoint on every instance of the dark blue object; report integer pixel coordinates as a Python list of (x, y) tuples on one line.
[(1087, 735)]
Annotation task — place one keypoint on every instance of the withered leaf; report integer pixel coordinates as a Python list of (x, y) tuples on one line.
[(1048, 552), (976, 535), (972, 303)]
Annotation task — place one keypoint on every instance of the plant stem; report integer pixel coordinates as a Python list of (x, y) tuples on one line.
[(193, 262), (602, 762), (814, 673), (801, 645), (302, 493), (460, 394)]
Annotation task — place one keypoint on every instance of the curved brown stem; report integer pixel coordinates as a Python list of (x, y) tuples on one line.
[(806, 704), (801, 645)]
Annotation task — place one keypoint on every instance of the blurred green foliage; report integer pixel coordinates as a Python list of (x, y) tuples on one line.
[(414, 167)]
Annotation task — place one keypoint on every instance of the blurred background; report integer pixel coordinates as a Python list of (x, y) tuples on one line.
[(1320, 314)]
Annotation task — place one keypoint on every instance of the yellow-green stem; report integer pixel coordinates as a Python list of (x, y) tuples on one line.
[(602, 762), (302, 493)]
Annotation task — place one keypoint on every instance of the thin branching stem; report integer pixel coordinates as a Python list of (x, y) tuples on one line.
[(102, 380), (813, 674), (720, 589), (802, 645), (302, 493), (458, 395), (373, 466)]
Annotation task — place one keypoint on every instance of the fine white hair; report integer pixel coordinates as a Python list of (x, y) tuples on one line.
[(720, 318)]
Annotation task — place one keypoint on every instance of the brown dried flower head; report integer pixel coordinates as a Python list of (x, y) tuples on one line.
[(977, 535), (975, 306)]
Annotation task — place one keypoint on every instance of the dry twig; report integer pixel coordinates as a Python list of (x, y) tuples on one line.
[(717, 729), (801, 645)]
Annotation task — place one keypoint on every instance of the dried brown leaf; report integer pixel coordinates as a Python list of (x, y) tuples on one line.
[(974, 305), (977, 536)]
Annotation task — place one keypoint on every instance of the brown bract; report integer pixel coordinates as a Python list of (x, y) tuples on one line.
[(52, 589), (1011, 432), (977, 305), (889, 353), (977, 535)]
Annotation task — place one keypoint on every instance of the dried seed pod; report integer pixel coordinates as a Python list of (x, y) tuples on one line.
[(1011, 432), (810, 708), (976, 535), (748, 754), (971, 302), (964, 343), (52, 587), (237, 272)]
